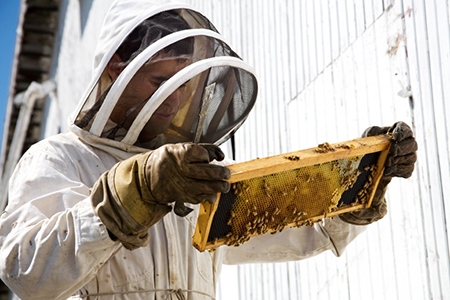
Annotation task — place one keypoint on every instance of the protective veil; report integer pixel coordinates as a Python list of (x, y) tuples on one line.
[(216, 89), (53, 245)]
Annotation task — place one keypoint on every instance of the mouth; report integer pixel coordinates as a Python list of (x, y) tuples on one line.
[(164, 116)]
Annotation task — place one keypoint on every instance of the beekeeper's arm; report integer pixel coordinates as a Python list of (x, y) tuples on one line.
[(52, 242), (141, 189)]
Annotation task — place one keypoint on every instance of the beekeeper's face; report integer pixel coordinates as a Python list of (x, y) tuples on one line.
[(144, 83)]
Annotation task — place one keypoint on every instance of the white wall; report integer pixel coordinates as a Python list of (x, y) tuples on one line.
[(327, 70), (79, 26)]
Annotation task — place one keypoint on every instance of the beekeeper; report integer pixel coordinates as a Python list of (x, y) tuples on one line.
[(107, 210)]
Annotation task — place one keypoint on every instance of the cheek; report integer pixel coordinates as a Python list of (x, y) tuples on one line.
[(175, 98)]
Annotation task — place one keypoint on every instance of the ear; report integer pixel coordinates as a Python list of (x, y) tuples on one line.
[(113, 67)]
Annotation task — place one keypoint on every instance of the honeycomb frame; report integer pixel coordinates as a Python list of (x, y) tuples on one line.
[(291, 190)]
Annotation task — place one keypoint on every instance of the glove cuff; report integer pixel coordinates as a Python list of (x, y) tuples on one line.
[(122, 200), (128, 186), (132, 235)]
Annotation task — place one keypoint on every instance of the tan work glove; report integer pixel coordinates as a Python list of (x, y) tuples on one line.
[(399, 163), (137, 192)]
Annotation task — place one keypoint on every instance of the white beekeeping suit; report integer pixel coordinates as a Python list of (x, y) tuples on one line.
[(92, 214)]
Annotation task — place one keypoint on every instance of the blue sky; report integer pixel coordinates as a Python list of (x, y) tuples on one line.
[(9, 15)]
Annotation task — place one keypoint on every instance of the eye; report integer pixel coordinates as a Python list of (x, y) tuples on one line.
[(157, 83)]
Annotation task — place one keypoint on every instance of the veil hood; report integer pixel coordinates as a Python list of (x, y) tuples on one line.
[(218, 88)]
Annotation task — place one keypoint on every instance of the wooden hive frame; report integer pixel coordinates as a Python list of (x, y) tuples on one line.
[(325, 155)]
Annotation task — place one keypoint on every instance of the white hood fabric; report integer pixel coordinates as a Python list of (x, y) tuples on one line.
[(53, 246), (219, 89)]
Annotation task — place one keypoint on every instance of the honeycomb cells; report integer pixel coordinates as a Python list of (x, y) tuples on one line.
[(288, 199)]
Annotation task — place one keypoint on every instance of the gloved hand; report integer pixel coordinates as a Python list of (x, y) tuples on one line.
[(137, 192), (182, 173), (399, 163)]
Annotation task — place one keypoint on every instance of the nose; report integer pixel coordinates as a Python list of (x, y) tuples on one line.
[(174, 100)]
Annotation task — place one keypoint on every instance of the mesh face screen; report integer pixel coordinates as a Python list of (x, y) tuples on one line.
[(291, 198)]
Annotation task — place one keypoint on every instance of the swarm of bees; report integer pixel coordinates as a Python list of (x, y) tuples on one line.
[(276, 207), (263, 222), (364, 193)]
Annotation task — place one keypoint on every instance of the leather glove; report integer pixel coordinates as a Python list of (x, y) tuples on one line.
[(137, 192), (399, 163), (182, 174)]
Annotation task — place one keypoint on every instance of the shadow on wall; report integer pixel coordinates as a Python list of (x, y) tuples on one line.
[(85, 8)]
